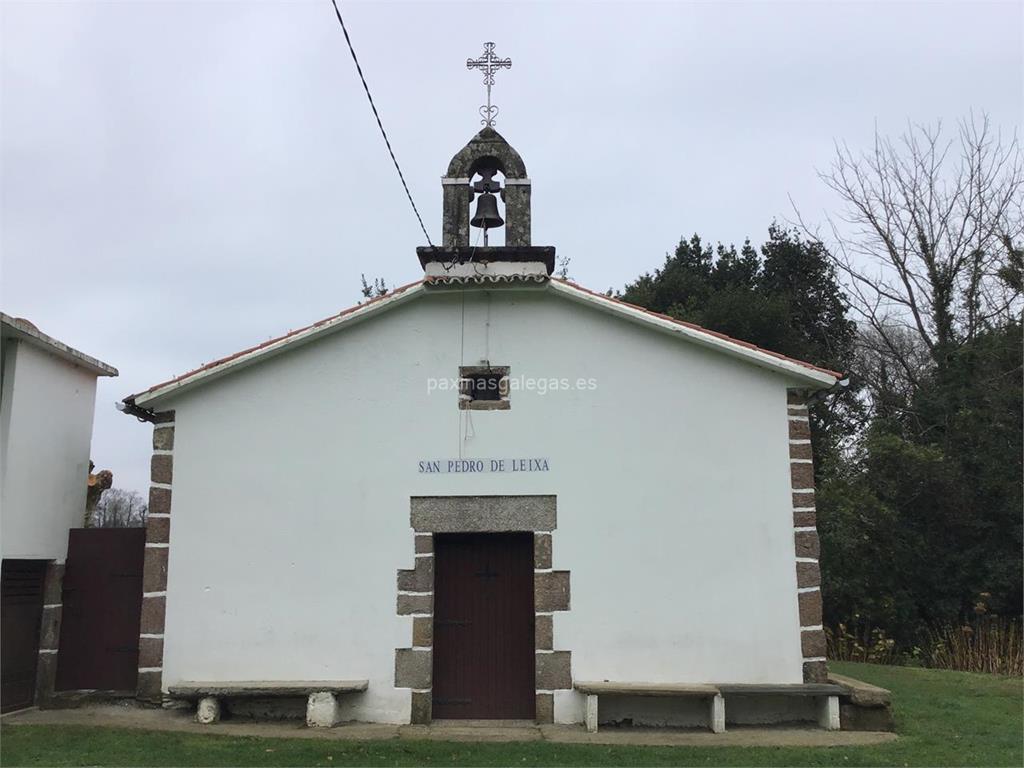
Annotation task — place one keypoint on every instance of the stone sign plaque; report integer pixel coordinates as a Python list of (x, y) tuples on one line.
[(481, 466)]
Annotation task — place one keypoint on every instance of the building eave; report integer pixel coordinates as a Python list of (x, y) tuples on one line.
[(810, 375), (267, 349), (13, 328)]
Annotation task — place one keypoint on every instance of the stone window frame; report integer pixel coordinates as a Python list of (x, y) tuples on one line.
[(430, 515), (466, 403)]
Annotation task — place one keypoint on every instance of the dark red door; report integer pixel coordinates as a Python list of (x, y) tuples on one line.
[(21, 608), (99, 636), (483, 626)]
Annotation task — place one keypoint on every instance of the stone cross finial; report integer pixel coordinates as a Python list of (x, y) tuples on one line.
[(489, 63)]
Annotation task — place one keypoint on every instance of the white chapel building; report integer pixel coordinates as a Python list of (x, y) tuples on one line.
[(489, 494)]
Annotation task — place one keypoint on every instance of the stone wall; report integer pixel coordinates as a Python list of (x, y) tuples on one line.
[(805, 533), (154, 573), (49, 634)]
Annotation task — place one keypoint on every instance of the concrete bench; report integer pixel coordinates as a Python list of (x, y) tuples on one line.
[(593, 690), (321, 701), (826, 695), (862, 706)]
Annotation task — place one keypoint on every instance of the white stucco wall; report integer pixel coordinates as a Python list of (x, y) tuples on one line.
[(292, 481), (47, 413)]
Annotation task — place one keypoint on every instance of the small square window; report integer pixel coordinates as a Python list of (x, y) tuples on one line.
[(483, 388)]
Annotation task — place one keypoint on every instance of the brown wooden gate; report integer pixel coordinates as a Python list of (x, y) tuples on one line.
[(483, 626), (21, 608), (102, 595)]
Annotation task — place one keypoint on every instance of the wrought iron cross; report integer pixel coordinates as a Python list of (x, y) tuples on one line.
[(489, 63)]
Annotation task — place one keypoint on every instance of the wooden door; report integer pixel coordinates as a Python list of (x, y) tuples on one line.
[(21, 608), (483, 626), (99, 637)]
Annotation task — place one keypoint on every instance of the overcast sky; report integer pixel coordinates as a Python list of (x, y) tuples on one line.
[(181, 180)]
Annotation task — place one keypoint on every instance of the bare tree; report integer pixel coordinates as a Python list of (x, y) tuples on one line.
[(930, 237), (882, 363), (96, 484), (118, 508)]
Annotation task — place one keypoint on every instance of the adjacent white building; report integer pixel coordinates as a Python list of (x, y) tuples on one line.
[(47, 399), (481, 490)]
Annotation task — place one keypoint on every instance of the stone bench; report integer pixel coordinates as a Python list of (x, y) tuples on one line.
[(862, 706), (826, 695), (593, 690), (321, 701)]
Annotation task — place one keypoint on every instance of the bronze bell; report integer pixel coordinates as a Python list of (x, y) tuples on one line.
[(487, 216)]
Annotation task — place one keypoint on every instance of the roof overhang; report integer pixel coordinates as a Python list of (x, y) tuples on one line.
[(22, 330), (804, 374), (809, 375), (269, 349)]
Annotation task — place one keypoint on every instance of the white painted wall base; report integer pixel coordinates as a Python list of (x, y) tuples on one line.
[(770, 710), (658, 712), (715, 710)]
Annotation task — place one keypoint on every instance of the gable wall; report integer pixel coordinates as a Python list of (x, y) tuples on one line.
[(292, 482), (46, 424)]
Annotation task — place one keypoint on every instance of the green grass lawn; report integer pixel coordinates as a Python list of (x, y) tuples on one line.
[(944, 718)]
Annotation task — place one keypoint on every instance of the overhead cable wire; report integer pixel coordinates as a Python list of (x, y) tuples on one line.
[(359, 69)]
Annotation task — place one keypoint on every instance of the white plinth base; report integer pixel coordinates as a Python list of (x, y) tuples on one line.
[(208, 710), (322, 710), (717, 713), (592, 713), (828, 713)]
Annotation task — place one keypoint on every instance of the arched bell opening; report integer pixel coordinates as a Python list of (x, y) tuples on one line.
[(488, 144), (487, 211), (485, 162), (486, 152)]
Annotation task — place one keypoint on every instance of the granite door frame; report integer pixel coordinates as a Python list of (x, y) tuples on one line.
[(429, 515)]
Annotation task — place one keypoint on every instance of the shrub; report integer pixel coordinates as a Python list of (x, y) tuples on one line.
[(987, 644), (871, 646)]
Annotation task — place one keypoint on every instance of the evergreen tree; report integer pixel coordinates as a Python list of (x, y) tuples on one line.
[(918, 464), (785, 299)]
